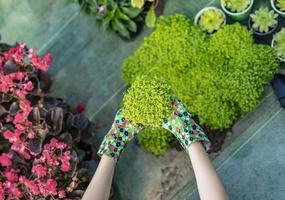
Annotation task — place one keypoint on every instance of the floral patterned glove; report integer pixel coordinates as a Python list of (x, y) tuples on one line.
[(184, 127), (117, 138)]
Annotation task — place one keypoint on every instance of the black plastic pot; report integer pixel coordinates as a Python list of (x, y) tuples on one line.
[(259, 35), (158, 7)]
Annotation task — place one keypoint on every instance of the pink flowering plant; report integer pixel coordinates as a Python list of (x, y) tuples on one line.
[(39, 136)]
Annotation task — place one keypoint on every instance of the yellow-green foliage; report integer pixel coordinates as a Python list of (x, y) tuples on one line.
[(156, 141), (218, 77), (148, 101), (211, 20)]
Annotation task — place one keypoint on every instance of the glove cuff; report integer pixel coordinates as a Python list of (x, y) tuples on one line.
[(112, 147)]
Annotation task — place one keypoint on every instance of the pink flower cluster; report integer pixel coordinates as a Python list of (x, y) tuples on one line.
[(55, 158), (18, 84)]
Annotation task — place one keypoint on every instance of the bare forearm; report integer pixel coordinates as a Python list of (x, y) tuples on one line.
[(209, 185), (100, 185)]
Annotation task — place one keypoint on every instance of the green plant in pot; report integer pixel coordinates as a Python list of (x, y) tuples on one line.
[(278, 44), (237, 9), (118, 16), (210, 19), (263, 22), (278, 6), (151, 13)]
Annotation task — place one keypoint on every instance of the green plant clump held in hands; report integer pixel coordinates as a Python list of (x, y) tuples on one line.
[(280, 4), (147, 102), (236, 5), (280, 43), (263, 19), (211, 20)]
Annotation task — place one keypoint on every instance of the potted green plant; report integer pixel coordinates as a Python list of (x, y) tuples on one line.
[(278, 44), (278, 6), (237, 9), (152, 9), (263, 22), (210, 19), (118, 16)]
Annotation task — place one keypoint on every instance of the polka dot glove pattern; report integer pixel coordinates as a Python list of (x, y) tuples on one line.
[(116, 140), (184, 127)]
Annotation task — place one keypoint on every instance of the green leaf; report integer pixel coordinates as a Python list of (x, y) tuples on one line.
[(132, 26), (131, 12), (119, 26), (150, 19)]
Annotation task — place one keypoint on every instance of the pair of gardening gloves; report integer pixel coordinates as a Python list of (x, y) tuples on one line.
[(180, 123)]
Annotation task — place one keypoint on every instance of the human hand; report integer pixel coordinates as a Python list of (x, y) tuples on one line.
[(185, 129), (116, 140)]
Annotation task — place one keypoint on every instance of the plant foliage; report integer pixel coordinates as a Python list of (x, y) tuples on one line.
[(219, 78), (156, 141), (280, 43), (147, 102), (211, 20), (38, 134), (263, 19), (236, 5), (119, 16)]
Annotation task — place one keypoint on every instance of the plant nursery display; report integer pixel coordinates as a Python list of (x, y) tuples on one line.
[(263, 21), (219, 77), (210, 19), (278, 6), (237, 9), (40, 136), (278, 43)]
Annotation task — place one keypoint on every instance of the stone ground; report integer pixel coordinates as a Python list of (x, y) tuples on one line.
[(87, 68)]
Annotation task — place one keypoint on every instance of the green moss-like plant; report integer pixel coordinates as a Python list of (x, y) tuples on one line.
[(148, 101), (236, 5), (211, 20), (279, 45), (156, 141), (219, 77), (263, 19), (280, 4)]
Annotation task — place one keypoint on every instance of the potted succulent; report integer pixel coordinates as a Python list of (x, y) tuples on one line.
[(263, 22), (278, 6), (210, 19), (237, 9), (278, 44)]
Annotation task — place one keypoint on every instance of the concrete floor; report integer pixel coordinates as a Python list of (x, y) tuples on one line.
[(252, 166), (87, 68)]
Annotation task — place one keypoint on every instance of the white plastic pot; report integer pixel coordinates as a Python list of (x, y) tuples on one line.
[(272, 2), (239, 15), (272, 46)]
